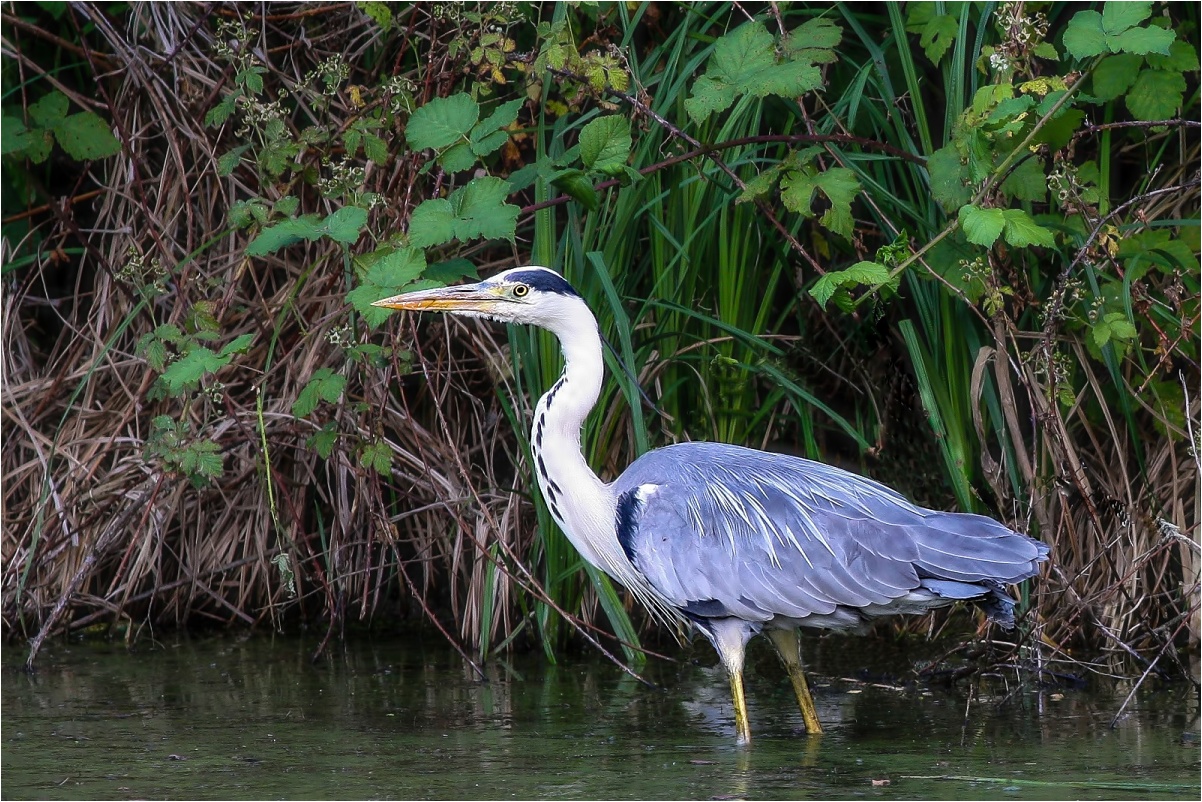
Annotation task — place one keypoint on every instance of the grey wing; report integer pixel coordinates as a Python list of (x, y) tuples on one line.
[(726, 531)]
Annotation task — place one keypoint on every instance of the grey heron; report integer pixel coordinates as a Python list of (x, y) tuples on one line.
[(732, 540)]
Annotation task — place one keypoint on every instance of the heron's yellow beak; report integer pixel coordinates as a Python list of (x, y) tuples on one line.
[(480, 297)]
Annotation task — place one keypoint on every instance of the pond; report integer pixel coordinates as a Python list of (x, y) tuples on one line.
[(397, 717)]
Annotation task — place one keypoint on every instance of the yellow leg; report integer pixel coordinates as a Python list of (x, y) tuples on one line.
[(742, 724), (788, 646)]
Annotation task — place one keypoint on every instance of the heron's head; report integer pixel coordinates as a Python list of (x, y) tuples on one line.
[(533, 295)]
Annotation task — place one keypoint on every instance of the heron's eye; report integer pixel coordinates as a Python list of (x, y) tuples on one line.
[(521, 291)]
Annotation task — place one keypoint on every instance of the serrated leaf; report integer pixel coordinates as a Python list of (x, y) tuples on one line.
[(981, 226), (861, 273), (1059, 132), (1142, 40), (190, 368), (377, 456), (221, 112), (14, 136), (502, 116), (375, 148), (442, 122), (286, 205), (481, 210), (1084, 36), (386, 274), (344, 225), (324, 385), (605, 143), (949, 178), (744, 61), (1027, 182), (323, 440), (761, 185), (838, 184), (1118, 17), (938, 36), (489, 143), (49, 110), (229, 161), (86, 137), (352, 138), (1115, 75), (432, 223), (708, 97), (1022, 231), (1182, 57), (1156, 95), (575, 183), (457, 158), (451, 271), (283, 234), (238, 345)]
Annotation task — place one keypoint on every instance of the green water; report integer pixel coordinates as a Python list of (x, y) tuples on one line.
[(387, 718)]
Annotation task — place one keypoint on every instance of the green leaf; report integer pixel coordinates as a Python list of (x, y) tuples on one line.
[(1084, 36), (838, 184), (490, 143), (222, 111), (50, 110), (238, 345), (861, 273), (744, 61), (1027, 182), (375, 148), (1113, 326), (432, 223), (344, 225), (285, 233), (1119, 16), (387, 271), (190, 368), (380, 13), (1115, 75), (451, 271), (982, 226), (1022, 231), (1182, 57), (442, 122), (1059, 132), (457, 158), (286, 205), (1156, 95), (14, 136), (229, 161), (605, 144), (949, 178), (324, 385), (377, 456), (575, 183), (481, 211), (323, 440), (938, 35), (1142, 40)]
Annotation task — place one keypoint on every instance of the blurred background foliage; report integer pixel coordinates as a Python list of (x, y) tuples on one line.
[(953, 246)]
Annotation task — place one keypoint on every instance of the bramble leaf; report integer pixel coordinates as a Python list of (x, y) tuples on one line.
[(49, 110), (838, 184), (386, 273), (324, 385), (85, 137), (1156, 94), (191, 368), (442, 122), (432, 223), (605, 144), (981, 226), (1115, 75), (344, 225), (949, 178), (938, 36), (1022, 231), (866, 273)]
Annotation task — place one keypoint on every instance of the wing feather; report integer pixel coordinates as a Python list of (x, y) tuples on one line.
[(739, 532)]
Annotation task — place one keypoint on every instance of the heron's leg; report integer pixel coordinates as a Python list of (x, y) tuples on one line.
[(788, 645), (730, 636)]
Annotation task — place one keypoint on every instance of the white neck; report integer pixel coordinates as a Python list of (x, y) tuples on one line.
[(584, 507)]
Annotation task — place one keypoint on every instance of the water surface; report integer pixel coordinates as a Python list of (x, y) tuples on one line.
[(391, 717)]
